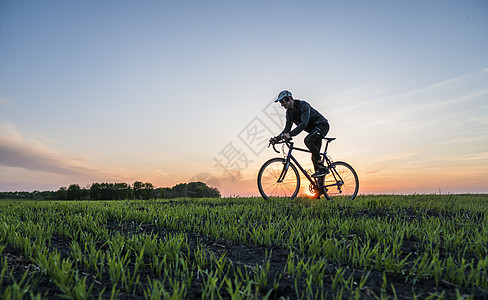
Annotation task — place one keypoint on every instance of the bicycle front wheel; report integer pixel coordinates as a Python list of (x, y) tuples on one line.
[(276, 179), (342, 181)]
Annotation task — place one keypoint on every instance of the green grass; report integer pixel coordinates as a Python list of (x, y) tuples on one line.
[(373, 247)]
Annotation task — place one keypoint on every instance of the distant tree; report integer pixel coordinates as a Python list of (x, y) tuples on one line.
[(106, 191), (122, 191), (23, 195), (194, 190), (61, 194), (118, 191), (36, 195), (74, 192), (94, 190), (143, 190), (48, 195), (137, 185), (163, 193), (201, 190), (110, 191), (8, 195), (180, 190), (101, 191)]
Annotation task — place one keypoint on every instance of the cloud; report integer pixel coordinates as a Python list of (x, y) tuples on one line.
[(453, 82), (372, 95), (16, 151), (372, 172)]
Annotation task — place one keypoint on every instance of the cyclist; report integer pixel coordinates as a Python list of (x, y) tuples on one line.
[(306, 118)]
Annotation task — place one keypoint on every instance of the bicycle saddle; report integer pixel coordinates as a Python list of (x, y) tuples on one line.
[(329, 139)]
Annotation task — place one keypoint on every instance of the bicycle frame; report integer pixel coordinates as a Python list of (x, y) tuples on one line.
[(315, 183)]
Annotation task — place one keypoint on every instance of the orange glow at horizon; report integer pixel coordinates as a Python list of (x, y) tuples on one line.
[(422, 181)]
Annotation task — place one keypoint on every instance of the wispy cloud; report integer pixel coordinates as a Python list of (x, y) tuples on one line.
[(449, 82), (372, 172), (17, 151), (370, 95), (396, 157)]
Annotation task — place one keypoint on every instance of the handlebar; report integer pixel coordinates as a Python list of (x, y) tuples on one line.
[(281, 140)]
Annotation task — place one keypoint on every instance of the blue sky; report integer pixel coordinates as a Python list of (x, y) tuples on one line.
[(161, 91)]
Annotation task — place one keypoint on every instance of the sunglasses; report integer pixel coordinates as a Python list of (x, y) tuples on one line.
[(285, 99)]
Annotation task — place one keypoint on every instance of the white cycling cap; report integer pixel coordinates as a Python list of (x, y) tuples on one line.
[(282, 95)]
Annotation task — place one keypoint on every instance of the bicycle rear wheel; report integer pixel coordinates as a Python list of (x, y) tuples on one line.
[(269, 177), (341, 181)]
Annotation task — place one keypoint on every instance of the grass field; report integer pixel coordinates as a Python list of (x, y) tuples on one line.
[(375, 247)]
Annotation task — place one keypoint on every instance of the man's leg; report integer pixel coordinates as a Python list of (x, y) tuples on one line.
[(313, 141)]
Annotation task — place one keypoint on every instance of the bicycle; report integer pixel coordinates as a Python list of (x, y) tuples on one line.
[(279, 177)]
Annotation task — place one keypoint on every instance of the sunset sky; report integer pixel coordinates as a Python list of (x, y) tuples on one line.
[(176, 91)]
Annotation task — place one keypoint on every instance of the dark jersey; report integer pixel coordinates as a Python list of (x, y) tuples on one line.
[(304, 116)]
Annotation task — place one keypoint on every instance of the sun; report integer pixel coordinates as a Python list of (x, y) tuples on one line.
[(308, 193)]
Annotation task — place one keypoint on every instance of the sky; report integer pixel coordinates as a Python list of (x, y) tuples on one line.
[(168, 92)]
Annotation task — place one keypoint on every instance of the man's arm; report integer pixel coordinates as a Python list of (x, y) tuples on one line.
[(284, 134), (304, 119), (288, 125)]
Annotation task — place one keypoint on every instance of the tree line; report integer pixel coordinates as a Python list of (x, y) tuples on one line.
[(119, 191)]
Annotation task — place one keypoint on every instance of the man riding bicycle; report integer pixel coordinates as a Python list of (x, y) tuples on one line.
[(306, 118)]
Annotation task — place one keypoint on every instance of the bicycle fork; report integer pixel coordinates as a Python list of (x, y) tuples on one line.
[(286, 164)]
